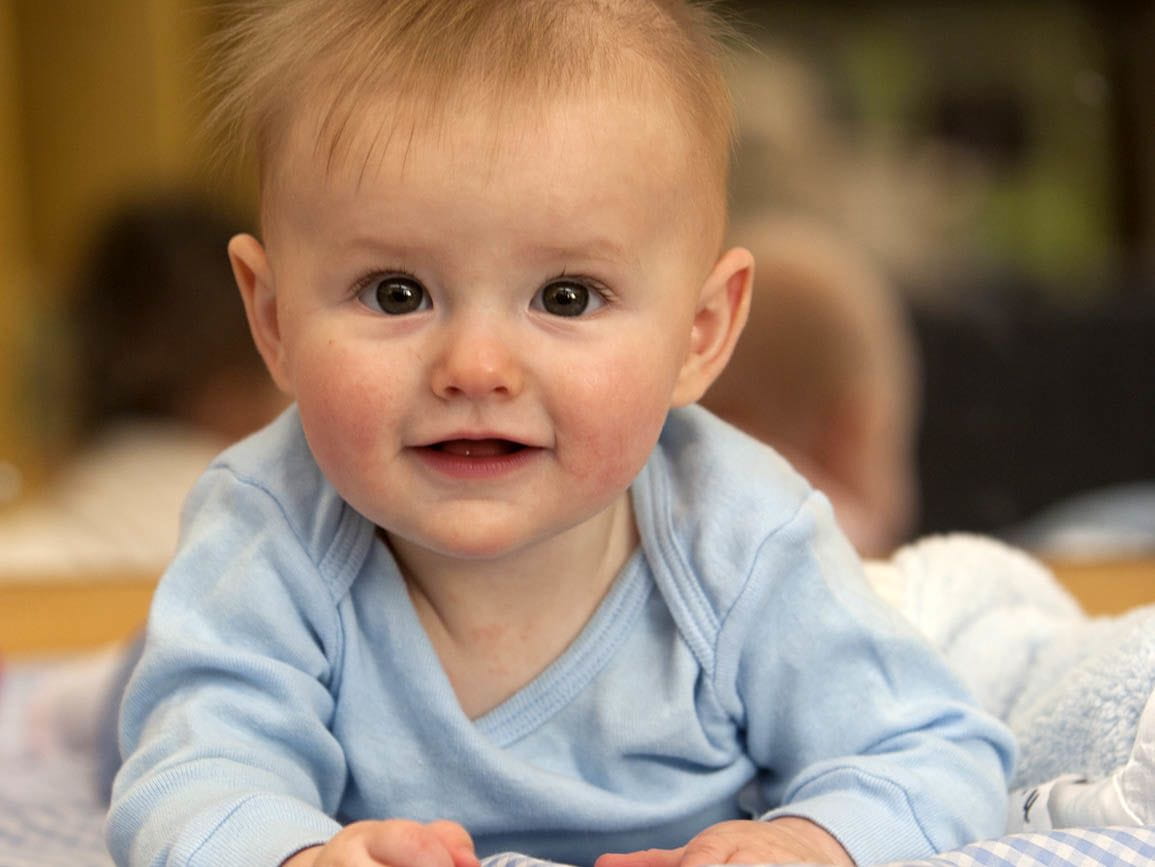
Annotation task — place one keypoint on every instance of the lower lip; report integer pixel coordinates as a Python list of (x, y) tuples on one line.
[(490, 467)]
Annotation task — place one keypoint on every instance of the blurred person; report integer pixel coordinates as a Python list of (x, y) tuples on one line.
[(826, 372), (164, 376)]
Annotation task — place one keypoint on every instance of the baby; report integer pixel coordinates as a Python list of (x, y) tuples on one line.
[(493, 583)]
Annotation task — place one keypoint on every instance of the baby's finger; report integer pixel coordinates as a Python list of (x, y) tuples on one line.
[(644, 858), (457, 841), (710, 849), (402, 843)]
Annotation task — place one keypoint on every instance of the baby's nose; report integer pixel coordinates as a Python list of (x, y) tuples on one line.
[(477, 362)]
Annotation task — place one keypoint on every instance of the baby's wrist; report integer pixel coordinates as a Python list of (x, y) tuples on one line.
[(304, 858), (815, 837)]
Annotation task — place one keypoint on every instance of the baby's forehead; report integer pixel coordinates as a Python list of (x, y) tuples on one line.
[(596, 130), (382, 123)]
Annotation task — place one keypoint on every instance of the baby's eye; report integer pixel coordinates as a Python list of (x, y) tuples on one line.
[(395, 295), (567, 298)]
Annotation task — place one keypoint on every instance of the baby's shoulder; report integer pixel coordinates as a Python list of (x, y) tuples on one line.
[(275, 468), (276, 457), (712, 501), (714, 475)]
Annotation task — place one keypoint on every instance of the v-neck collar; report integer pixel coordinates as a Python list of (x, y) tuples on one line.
[(561, 680)]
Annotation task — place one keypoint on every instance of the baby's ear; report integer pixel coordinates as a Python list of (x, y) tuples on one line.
[(723, 305), (255, 280)]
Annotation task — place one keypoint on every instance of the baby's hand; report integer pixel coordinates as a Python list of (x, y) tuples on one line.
[(395, 842), (781, 841)]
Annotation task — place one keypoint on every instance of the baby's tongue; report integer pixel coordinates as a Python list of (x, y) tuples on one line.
[(477, 448)]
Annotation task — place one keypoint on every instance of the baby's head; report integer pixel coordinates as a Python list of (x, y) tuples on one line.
[(492, 258)]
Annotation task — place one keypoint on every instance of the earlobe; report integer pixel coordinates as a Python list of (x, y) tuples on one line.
[(723, 306), (255, 280)]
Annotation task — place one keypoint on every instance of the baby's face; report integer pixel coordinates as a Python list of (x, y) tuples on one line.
[(484, 334)]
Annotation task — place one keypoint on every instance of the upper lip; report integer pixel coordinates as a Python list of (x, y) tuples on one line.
[(476, 436)]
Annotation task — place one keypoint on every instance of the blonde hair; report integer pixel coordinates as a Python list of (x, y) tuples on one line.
[(274, 56)]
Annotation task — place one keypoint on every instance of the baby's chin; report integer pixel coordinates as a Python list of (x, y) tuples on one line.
[(478, 547)]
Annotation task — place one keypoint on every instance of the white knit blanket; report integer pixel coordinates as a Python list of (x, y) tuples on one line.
[(1071, 687)]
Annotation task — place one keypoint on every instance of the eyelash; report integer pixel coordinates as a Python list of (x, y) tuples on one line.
[(377, 275), (595, 293), (595, 286)]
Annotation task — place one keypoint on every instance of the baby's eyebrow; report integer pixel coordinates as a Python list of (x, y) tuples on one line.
[(593, 250), (367, 243), (601, 248)]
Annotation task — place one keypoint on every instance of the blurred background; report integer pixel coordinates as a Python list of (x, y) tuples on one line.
[(98, 107), (994, 160), (998, 160)]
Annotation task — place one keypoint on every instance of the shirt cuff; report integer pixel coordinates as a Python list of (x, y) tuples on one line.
[(873, 821), (263, 829)]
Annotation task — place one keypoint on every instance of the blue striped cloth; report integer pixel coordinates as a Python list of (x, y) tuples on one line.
[(1059, 848)]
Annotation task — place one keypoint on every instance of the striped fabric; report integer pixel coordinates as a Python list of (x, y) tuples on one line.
[(1119, 847)]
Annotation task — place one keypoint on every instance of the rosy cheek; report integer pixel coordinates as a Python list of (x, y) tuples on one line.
[(343, 405), (613, 432)]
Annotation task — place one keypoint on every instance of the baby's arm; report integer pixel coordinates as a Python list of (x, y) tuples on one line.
[(396, 842), (857, 723), (224, 726), (782, 841)]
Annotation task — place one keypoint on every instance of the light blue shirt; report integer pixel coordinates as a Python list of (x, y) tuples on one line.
[(738, 666)]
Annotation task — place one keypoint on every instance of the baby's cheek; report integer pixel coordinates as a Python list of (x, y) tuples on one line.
[(617, 437), (345, 412)]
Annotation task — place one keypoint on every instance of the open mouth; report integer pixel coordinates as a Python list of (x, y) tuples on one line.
[(481, 458), (485, 448)]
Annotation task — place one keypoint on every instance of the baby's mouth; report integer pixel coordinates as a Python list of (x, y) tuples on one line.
[(486, 448)]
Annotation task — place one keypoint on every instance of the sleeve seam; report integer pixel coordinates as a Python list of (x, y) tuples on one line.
[(747, 581)]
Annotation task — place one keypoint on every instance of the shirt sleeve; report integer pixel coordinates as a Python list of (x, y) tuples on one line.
[(224, 726), (857, 723)]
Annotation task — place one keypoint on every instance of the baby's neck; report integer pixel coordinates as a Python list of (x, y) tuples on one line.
[(497, 624)]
